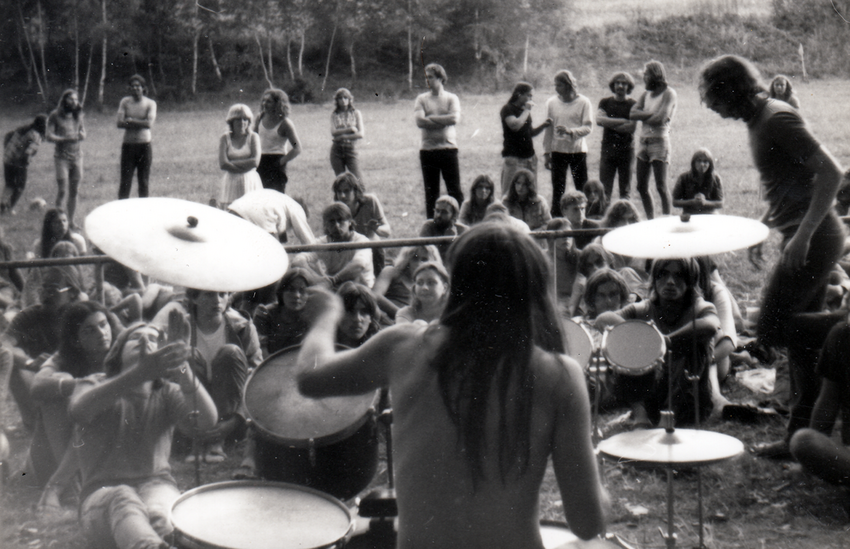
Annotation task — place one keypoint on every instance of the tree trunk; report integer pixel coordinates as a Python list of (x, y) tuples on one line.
[(409, 48), (195, 39), (301, 56), (328, 62), (41, 87), (262, 60), (25, 62), (271, 65), (525, 58), (41, 41), (150, 77), (213, 58), (88, 73), (353, 65), (289, 56), (76, 53), (102, 82)]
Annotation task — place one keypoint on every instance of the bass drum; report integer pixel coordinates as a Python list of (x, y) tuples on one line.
[(329, 444), (259, 515)]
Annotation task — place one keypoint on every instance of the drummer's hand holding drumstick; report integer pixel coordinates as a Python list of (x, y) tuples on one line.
[(323, 308)]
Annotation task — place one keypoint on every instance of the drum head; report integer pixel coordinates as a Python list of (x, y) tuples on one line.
[(633, 346), (280, 411), (259, 515), (579, 342)]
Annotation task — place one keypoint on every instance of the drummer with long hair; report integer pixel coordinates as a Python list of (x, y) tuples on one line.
[(481, 400)]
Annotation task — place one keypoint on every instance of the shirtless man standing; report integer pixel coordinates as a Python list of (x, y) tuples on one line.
[(654, 109), (470, 458), (136, 115)]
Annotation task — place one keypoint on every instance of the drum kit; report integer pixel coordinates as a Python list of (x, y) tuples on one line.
[(313, 451)]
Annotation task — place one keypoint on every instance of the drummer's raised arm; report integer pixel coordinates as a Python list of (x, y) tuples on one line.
[(326, 372), (606, 319)]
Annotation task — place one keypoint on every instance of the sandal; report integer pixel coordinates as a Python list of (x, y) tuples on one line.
[(244, 472), (215, 454)]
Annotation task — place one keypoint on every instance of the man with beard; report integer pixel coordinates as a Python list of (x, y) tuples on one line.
[(65, 128), (618, 135), (136, 115), (655, 109), (800, 179), (338, 266), (444, 223), (226, 348)]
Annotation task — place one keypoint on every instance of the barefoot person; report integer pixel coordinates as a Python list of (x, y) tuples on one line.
[(65, 128), (654, 110), (136, 115), (470, 458), (800, 179)]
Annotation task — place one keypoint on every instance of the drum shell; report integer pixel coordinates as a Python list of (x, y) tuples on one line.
[(183, 539), (340, 463)]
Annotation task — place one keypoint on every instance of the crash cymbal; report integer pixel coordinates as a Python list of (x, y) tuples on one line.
[(685, 236), (187, 244), (682, 447)]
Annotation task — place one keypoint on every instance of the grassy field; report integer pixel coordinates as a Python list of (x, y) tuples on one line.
[(749, 503)]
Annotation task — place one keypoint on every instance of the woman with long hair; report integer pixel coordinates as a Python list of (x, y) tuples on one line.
[(699, 190), (481, 400), (87, 331), (482, 193), (238, 156), (780, 88), (346, 128), (524, 203), (394, 286), (430, 291), (55, 228), (278, 137)]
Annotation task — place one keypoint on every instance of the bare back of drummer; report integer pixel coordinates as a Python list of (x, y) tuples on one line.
[(461, 480)]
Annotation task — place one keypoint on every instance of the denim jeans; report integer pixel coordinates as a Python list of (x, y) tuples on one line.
[(129, 517)]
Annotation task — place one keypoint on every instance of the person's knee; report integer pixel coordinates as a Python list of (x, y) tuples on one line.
[(230, 357), (804, 442)]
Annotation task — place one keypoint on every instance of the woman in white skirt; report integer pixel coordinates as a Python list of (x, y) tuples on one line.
[(238, 156)]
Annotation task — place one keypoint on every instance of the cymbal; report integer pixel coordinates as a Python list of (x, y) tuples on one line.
[(685, 236), (187, 244), (682, 447)]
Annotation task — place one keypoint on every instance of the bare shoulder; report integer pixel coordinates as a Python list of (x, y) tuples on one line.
[(557, 371)]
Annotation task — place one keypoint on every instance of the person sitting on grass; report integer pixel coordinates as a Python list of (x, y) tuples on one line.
[(395, 283), (780, 88), (590, 260), (33, 335), (481, 194), (685, 319), (481, 400), (366, 211), (87, 331), (19, 146), (444, 223), (524, 203), (226, 350), (597, 201), (699, 191), (497, 212), (814, 447), (282, 324), (359, 321), (574, 207), (54, 229), (339, 266), (125, 422), (430, 290), (564, 258)]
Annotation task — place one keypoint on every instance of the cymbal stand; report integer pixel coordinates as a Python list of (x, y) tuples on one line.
[(596, 361), (380, 504), (196, 443)]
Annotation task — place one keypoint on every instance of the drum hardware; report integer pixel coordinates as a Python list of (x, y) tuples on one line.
[(380, 505)]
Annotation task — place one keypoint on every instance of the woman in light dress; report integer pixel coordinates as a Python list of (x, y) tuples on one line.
[(238, 156)]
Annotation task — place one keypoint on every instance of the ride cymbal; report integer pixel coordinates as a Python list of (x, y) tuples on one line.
[(682, 447)]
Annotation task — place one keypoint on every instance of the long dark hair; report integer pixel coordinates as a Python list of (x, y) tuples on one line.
[(702, 154), (733, 81), (691, 269), (48, 238), (73, 358), (499, 307)]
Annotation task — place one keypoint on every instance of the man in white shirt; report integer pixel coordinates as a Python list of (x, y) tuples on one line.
[(275, 213)]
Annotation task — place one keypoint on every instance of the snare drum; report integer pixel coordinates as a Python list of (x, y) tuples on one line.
[(259, 515), (634, 347), (329, 444), (579, 343)]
